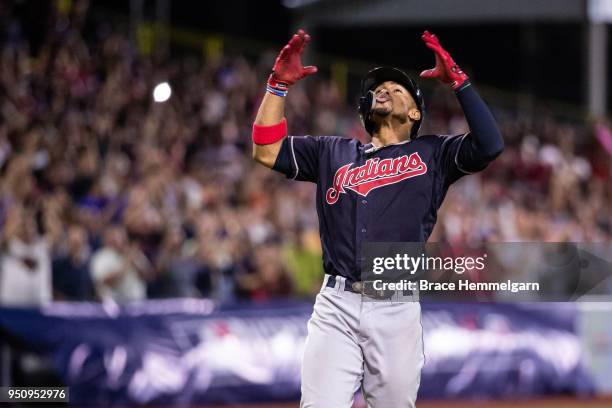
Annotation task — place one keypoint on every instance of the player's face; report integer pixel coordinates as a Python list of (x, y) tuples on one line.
[(393, 99)]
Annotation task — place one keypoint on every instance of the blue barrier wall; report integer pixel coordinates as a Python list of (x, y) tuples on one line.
[(188, 351)]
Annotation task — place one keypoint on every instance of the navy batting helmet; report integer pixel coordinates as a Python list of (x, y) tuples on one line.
[(377, 76)]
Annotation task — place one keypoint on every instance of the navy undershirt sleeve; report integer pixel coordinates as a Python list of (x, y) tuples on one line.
[(484, 142), (283, 160), (298, 158)]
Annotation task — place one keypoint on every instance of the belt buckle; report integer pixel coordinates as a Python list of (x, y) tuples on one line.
[(380, 294)]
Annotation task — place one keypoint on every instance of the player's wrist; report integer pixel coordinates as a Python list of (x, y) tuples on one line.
[(458, 77), (277, 86), (462, 85)]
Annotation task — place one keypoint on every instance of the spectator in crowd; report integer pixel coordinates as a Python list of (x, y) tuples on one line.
[(71, 278), (119, 270), (270, 279), (176, 268), (25, 274), (302, 255)]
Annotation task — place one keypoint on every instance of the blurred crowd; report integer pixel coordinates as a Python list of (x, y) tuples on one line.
[(107, 195)]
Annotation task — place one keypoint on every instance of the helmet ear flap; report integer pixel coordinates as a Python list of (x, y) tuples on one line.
[(366, 104)]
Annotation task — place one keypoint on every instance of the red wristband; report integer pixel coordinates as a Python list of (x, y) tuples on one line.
[(264, 135)]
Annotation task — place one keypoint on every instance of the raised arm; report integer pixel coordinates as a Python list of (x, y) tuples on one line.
[(484, 142), (270, 127)]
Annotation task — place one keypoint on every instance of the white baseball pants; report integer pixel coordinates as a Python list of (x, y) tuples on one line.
[(354, 343)]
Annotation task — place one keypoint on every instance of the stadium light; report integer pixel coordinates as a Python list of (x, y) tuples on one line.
[(162, 92)]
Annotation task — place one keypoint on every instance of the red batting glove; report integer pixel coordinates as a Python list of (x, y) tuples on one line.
[(446, 70), (288, 67)]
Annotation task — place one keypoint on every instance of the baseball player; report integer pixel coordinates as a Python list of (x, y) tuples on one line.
[(388, 190)]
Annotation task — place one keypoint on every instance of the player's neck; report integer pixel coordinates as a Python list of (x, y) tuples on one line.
[(387, 135)]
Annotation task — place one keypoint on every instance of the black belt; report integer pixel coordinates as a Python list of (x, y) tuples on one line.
[(367, 290)]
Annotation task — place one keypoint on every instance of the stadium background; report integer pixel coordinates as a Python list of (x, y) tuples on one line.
[(95, 173)]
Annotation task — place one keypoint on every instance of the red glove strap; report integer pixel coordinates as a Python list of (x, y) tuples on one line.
[(274, 83), (457, 76), (264, 135)]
